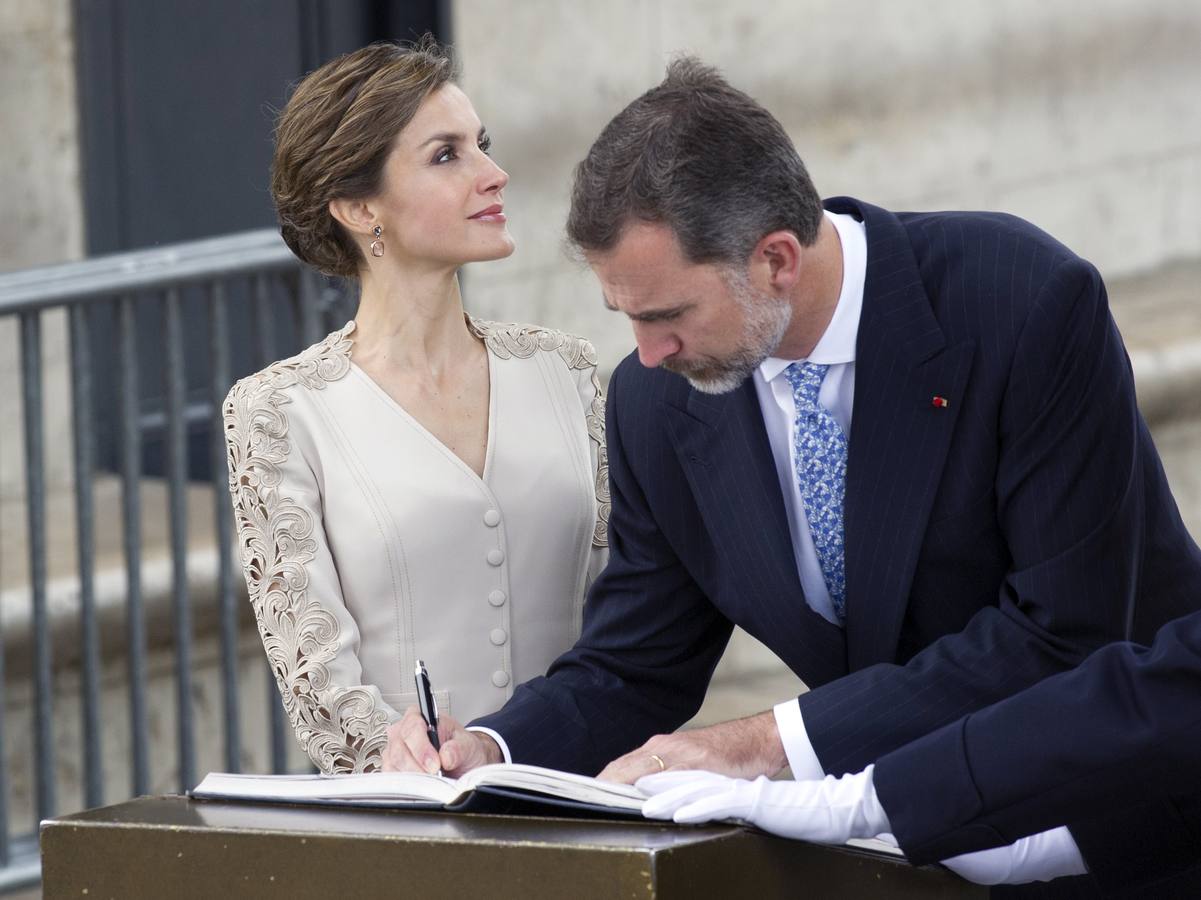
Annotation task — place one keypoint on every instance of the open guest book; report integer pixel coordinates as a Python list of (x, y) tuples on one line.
[(503, 788), (500, 788)]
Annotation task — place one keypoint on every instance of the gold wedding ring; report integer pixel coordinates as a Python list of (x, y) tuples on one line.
[(659, 760)]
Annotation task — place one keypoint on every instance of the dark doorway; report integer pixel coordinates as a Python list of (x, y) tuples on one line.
[(177, 102)]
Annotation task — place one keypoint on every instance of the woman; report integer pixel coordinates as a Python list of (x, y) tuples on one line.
[(420, 484)]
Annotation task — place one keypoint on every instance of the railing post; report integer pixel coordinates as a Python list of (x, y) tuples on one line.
[(131, 507), (309, 297), (226, 598), (177, 473), (35, 500), (4, 822), (81, 401)]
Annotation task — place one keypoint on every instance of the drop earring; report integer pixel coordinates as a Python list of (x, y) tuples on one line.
[(377, 246)]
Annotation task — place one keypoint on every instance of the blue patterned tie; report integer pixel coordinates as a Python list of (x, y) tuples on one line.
[(821, 471)]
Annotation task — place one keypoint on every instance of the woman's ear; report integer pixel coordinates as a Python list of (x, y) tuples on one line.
[(356, 216)]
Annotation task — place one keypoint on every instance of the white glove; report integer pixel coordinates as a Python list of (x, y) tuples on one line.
[(829, 811), (1039, 857), (833, 811)]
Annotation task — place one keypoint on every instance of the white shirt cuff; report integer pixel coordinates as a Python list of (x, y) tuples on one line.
[(802, 758), (1053, 854), (500, 741), (1039, 857)]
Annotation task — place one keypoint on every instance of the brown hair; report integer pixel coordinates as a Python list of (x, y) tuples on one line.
[(701, 157), (334, 135)]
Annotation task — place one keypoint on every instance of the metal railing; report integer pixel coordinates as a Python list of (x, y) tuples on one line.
[(163, 333)]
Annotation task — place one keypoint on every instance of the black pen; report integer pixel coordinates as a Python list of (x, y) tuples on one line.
[(429, 706)]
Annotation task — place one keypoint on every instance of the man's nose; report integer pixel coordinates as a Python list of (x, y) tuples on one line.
[(654, 348)]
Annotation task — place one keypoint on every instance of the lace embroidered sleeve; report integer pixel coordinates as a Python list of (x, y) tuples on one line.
[(306, 630), (592, 396)]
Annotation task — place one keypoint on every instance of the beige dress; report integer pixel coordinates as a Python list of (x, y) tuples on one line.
[(367, 544)]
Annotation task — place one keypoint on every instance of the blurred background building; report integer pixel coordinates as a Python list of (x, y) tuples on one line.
[(135, 124)]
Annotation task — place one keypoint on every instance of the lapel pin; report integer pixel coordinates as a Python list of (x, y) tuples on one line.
[(940, 402)]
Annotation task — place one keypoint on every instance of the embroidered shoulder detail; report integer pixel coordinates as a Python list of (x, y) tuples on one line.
[(523, 341), (341, 729), (325, 361)]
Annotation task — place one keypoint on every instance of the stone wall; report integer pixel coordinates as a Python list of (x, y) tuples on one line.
[(43, 218), (1080, 116)]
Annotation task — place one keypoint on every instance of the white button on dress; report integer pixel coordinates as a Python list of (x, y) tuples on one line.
[(500, 678), (497, 598), (498, 636), (496, 557), (492, 518)]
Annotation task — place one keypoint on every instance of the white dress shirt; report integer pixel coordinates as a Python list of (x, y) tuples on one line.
[(836, 349)]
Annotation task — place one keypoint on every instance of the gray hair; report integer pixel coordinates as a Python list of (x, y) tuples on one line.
[(701, 157)]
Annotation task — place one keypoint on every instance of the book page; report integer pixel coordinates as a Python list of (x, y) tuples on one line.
[(566, 785), (395, 787)]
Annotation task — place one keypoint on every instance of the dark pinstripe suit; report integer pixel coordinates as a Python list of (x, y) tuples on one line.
[(1126, 726), (989, 543)]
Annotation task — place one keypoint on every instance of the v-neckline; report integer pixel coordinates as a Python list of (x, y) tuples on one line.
[(391, 401)]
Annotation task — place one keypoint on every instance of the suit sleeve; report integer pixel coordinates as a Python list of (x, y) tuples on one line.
[(310, 637), (650, 638), (1069, 495), (1127, 727)]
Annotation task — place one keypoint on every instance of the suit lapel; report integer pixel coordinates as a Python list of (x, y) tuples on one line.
[(732, 447), (722, 446), (900, 433)]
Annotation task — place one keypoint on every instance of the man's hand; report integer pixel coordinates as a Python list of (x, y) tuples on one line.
[(743, 748), (409, 749), (829, 811)]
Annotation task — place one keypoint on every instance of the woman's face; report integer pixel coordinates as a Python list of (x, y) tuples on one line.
[(442, 194)]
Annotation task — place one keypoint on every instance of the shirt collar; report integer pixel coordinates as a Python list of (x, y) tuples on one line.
[(837, 343)]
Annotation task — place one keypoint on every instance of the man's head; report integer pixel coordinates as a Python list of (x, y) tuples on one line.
[(707, 322), (693, 209)]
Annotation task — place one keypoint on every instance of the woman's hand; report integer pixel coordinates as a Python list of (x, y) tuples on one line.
[(409, 749)]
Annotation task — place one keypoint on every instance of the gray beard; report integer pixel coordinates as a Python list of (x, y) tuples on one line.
[(765, 319)]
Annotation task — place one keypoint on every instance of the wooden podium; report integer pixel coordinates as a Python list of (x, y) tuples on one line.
[(172, 847)]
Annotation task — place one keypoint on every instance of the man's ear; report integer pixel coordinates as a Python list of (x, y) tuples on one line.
[(779, 255), (356, 216)]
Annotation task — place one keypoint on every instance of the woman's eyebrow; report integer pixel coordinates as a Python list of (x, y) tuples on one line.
[(448, 137), (444, 137)]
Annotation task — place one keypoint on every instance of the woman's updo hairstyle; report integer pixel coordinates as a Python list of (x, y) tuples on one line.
[(334, 135)]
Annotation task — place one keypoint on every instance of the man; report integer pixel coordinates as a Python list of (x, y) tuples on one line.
[(1129, 720), (995, 512)]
